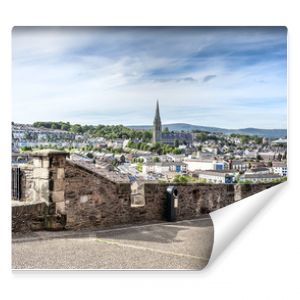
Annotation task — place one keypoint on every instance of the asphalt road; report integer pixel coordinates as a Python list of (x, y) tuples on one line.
[(180, 245)]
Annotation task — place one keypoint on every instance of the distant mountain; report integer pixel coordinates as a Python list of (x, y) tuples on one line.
[(270, 133)]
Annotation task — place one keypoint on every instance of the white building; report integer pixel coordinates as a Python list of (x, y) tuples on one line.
[(250, 154), (116, 143), (211, 149), (258, 170), (164, 167), (175, 157), (199, 164), (217, 176), (238, 165), (279, 142), (279, 168), (256, 178)]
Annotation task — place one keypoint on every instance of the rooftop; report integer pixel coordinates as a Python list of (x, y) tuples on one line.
[(110, 175), (165, 163), (279, 164), (47, 152), (246, 176), (259, 169), (221, 173)]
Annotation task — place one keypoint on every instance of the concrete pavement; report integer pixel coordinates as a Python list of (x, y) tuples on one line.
[(179, 245)]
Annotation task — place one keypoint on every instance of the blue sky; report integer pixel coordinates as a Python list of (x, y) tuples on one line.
[(230, 77)]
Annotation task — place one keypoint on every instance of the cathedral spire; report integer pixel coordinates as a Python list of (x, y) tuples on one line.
[(157, 125), (157, 115)]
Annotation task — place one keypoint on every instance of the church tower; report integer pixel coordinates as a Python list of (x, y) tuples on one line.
[(157, 125)]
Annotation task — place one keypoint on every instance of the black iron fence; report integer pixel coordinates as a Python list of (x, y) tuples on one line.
[(16, 183)]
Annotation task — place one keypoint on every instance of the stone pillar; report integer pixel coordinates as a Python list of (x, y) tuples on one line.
[(49, 184)]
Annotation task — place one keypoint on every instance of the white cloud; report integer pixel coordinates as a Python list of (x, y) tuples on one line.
[(115, 76)]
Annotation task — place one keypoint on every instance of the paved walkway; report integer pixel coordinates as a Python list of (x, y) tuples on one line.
[(180, 245)]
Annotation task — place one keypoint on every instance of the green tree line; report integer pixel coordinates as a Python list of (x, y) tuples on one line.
[(157, 147), (106, 131)]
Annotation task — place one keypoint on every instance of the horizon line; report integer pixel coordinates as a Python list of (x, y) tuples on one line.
[(149, 125)]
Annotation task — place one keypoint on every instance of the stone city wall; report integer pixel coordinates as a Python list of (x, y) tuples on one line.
[(92, 200), (245, 190), (28, 216), (43, 205), (76, 197)]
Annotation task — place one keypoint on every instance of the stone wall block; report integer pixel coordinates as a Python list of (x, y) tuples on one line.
[(60, 208), (57, 185), (60, 173), (58, 196), (40, 190), (41, 173), (37, 162), (45, 162)]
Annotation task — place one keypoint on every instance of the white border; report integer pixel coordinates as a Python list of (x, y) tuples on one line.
[(263, 262)]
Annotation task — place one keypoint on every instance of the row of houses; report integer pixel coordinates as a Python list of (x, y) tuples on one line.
[(218, 171), (232, 177)]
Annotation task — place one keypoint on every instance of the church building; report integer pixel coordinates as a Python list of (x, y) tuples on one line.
[(170, 137)]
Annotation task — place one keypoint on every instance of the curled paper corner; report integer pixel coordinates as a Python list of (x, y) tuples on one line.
[(231, 220)]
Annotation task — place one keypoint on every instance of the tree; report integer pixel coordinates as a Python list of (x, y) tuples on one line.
[(180, 179), (147, 135), (65, 126), (258, 140), (55, 125), (156, 159), (247, 181), (245, 139), (176, 143), (284, 155), (166, 130), (90, 155), (201, 136), (139, 167), (76, 128), (25, 148), (177, 151)]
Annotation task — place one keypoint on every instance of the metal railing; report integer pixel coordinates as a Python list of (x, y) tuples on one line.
[(16, 183)]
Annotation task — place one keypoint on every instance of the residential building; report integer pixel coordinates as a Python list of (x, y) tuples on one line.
[(279, 168), (200, 164), (258, 170), (267, 156), (238, 165), (250, 154), (256, 178), (279, 142), (214, 176), (164, 167), (175, 157)]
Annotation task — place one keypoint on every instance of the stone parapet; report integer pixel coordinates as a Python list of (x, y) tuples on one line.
[(76, 196), (49, 183)]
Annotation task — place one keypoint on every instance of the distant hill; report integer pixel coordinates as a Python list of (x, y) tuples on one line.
[(271, 133)]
